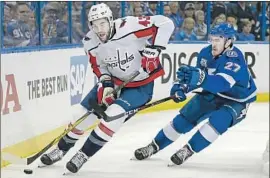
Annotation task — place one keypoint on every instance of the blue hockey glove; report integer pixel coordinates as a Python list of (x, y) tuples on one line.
[(179, 91), (191, 76)]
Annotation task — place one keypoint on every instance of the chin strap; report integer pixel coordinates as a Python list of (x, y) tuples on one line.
[(112, 30)]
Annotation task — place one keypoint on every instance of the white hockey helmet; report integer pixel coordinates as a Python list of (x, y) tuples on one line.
[(100, 11)]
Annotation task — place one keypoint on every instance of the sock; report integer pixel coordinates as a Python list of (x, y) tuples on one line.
[(66, 143), (166, 136), (198, 142), (161, 140), (93, 144)]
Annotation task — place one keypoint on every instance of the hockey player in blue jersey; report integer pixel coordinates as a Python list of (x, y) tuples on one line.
[(227, 91)]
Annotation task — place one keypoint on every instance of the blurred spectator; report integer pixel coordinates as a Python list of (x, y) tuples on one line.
[(18, 31), (20, 23), (223, 17), (55, 27), (189, 10), (217, 21), (115, 8), (199, 5), (7, 18), (232, 20), (218, 8), (152, 10), (77, 28), (246, 35), (32, 23), (12, 10), (8, 40), (200, 28), (187, 33), (175, 16), (243, 12), (136, 4), (166, 10), (259, 24), (7, 14), (76, 6), (138, 11), (62, 26)]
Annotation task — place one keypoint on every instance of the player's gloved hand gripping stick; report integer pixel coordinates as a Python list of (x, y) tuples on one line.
[(15, 159)]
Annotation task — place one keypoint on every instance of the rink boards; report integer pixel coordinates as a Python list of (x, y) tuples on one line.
[(40, 90)]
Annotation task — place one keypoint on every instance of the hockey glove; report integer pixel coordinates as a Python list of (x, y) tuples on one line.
[(105, 88), (150, 58), (179, 91), (191, 76)]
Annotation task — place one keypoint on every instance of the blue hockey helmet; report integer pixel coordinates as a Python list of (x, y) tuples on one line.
[(224, 29)]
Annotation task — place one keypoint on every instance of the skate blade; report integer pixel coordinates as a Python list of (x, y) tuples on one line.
[(133, 159), (171, 164), (66, 173), (41, 165)]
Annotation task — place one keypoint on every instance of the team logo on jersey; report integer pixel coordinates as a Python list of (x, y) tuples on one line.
[(123, 22), (203, 62), (120, 62), (78, 68), (231, 54)]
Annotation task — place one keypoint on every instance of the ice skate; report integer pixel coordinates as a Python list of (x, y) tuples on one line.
[(52, 157), (77, 162), (147, 151), (182, 155)]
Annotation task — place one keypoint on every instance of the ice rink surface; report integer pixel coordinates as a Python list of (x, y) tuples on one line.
[(237, 154)]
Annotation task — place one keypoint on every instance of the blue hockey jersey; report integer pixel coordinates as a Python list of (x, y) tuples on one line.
[(19, 32), (232, 66)]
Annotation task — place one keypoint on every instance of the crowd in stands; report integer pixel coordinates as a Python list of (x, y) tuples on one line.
[(21, 25)]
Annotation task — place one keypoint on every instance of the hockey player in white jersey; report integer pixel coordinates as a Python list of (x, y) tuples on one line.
[(116, 49)]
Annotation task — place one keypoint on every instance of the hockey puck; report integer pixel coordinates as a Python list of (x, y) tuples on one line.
[(28, 171)]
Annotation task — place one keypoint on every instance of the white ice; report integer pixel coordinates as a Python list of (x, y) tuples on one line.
[(236, 154)]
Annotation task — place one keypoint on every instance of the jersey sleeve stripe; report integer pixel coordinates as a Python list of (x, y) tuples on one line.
[(152, 31), (228, 78), (93, 62), (155, 29)]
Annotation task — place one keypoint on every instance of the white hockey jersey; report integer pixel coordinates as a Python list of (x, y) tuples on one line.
[(120, 56)]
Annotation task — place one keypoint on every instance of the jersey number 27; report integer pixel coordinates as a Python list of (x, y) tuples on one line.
[(232, 66)]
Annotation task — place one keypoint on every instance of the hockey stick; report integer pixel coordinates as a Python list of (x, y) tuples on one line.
[(15, 159), (131, 112)]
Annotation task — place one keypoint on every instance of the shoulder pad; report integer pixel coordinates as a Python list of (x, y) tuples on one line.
[(90, 41), (205, 49), (231, 53)]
